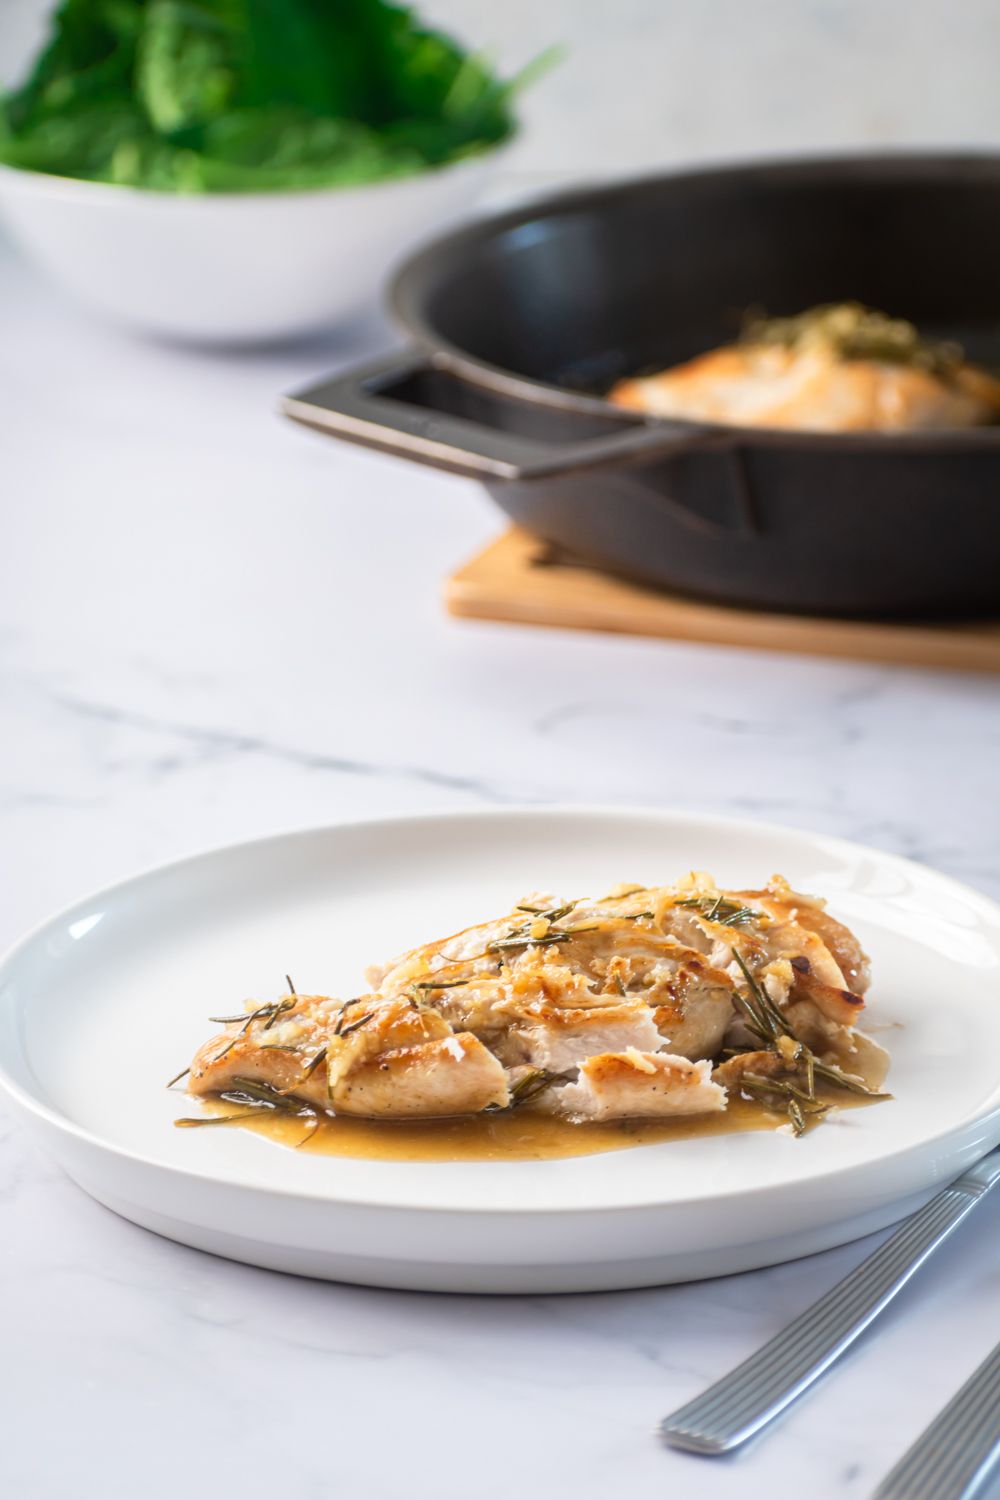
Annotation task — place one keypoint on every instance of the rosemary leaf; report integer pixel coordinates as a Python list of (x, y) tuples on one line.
[(844, 1080), (263, 1094), (342, 1017), (785, 1088), (192, 1122), (771, 1019), (182, 1074), (718, 909), (276, 1010), (529, 1087), (314, 1063), (346, 1031)]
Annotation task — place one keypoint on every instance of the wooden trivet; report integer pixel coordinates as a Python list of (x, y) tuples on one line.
[(521, 579)]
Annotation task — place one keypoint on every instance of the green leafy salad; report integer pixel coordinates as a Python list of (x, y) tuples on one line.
[(249, 95)]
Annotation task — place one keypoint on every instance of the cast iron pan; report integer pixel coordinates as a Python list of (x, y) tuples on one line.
[(520, 321)]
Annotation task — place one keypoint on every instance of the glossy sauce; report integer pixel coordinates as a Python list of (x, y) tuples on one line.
[(517, 1135)]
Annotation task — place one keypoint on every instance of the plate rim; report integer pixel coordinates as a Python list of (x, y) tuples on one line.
[(54, 1119)]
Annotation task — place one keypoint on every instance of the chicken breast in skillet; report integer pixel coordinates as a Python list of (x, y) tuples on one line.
[(843, 368), (592, 1009)]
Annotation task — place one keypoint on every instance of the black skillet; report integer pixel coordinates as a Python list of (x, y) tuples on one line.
[(520, 321)]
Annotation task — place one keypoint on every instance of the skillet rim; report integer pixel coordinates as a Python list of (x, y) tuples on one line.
[(405, 294)]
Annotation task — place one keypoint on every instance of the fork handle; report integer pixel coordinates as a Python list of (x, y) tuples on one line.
[(954, 1458), (743, 1402)]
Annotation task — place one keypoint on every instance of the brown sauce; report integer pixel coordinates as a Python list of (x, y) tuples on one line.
[(517, 1135)]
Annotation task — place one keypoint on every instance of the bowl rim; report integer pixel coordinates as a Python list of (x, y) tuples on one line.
[(55, 185)]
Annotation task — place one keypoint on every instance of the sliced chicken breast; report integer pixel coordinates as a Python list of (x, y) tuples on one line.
[(647, 1084), (607, 1007)]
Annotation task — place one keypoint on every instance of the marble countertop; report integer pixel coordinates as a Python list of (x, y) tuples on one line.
[(214, 625)]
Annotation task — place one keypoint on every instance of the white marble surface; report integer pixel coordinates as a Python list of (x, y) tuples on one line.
[(213, 625)]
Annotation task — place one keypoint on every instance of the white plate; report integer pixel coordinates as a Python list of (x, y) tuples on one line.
[(103, 1003)]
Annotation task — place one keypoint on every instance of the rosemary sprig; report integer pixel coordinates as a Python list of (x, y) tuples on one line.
[(783, 1086), (769, 1021), (718, 909), (797, 1104), (849, 1081), (346, 1030), (259, 1098), (192, 1121), (440, 984), (766, 1021), (263, 1096), (529, 1087), (755, 1011), (314, 1063), (255, 1015), (273, 1009), (289, 1003), (243, 1089), (552, 914), (342, 1017), (525, 940)]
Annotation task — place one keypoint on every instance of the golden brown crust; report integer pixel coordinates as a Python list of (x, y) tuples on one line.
[(812, 389)]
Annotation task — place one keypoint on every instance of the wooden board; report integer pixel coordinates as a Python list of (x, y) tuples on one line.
[(521, 579)]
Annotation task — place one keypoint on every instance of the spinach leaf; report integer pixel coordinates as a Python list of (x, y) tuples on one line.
[(249, 95)]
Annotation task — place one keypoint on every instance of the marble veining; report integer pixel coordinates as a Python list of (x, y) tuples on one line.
[(214, 625)]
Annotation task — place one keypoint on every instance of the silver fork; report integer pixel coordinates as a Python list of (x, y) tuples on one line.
[(744, 1402), (955, 1457)]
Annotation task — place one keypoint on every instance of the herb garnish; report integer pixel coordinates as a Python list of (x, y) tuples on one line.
[(718, 909), (346, 1030), (527, 1087), (314, 1063), (272, 1010), (798, 1104), (765, 1021), (852, 331)]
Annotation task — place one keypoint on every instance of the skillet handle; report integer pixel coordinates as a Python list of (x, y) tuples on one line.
[(414, 405)]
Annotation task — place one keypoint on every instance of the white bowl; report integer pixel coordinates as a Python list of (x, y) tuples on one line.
[(229, 267)]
